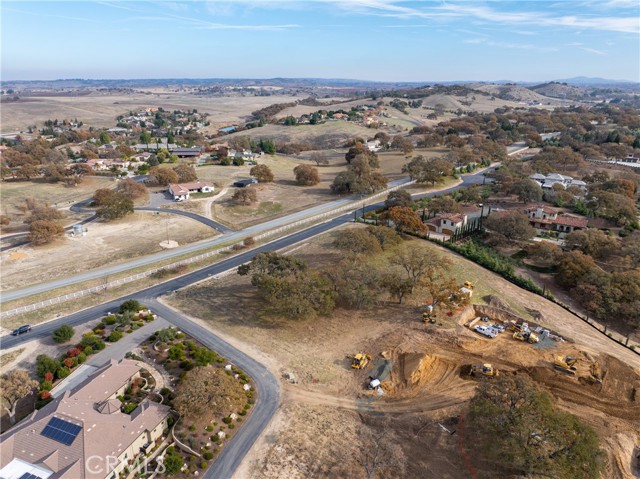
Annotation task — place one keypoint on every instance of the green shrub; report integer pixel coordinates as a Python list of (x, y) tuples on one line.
[(46, 386), (242, 413), (46, 364), (109, 320), (131, 305), (88, 351), (247, 406), (180, 336), (63, 372), (82, 358), (227, 420), (209, 428), (129, 407), (208, 456), (63, 334), (100, 345), (215, 438), (203, 465), (115, 336), (232, 426)]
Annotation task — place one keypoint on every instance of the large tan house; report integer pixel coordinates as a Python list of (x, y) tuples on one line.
[(84, 434)]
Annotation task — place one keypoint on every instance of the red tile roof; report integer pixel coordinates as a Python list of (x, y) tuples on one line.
[(571, 221)]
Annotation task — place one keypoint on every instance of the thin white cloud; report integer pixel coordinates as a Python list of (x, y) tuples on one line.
[(206, 25), (593, 50)]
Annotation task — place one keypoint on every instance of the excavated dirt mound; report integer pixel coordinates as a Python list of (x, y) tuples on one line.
[(617, 396)]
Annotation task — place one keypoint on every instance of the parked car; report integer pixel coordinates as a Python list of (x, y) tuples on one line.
[(486, 331), (25, 328), (499, 328)]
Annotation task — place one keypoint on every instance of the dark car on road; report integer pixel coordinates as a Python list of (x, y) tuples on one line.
[(22, 329)]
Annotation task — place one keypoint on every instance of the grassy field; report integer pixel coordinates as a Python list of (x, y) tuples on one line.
[(13, 193), (101, 109), (136, 235)]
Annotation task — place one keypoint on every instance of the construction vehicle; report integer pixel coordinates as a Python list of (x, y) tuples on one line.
[(486, 370), (360, 361), (528, 336), (566, 364), (428, 317)]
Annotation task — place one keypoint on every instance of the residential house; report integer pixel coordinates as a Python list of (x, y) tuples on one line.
[(181, 191), (633, 158), (185, 152), (373, 145), (84, 434), (548, 220), (446, 223), (547, 182)]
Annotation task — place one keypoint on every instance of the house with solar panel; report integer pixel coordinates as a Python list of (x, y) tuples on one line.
[(84, 434)]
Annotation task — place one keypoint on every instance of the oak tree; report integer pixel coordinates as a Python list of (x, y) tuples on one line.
[(14, 386)]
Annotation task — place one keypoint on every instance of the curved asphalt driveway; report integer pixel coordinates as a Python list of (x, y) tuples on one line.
[(194, 216)]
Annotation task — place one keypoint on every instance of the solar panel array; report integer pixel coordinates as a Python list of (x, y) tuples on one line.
[(62, 431), (28, 475)]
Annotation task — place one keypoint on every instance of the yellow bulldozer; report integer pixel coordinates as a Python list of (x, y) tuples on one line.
[(528, 336), (360, 361), (486, 370)]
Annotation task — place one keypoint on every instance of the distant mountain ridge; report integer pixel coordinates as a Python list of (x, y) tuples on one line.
[(300, 82)]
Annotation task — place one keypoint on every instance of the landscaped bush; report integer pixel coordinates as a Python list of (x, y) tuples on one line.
[(82, 358), (62, 372), (46, 386), (227, 420), (69, 362), (208, 455), (73, 352), (88, 351), (48, 377), (109, 320), (203, 465), (131, 305), (115, 336), (209, 428), (180, 336), (63, 334), (46, 364), (129, 407), (215, 438), (45, 394)]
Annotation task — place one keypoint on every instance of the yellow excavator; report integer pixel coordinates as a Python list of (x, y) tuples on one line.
[(528, 336), (566, 364), (360, 361), (486, 370)]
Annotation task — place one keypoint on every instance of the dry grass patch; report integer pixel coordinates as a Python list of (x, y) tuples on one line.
[(134, 236)]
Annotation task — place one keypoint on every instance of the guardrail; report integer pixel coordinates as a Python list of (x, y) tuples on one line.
[(104, 287)]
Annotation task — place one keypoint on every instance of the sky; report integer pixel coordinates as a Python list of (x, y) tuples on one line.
[(377, 40)]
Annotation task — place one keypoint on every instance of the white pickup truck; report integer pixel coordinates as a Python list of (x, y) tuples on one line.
[(486, 331)]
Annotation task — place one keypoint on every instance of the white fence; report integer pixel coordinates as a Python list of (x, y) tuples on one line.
[(106, 285)]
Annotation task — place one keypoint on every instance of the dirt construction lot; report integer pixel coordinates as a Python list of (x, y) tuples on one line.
[(328, 420), (136, 235)]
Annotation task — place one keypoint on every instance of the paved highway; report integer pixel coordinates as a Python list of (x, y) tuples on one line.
[(175, 252)]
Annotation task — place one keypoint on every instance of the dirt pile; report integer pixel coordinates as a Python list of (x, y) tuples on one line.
[(617, 396)]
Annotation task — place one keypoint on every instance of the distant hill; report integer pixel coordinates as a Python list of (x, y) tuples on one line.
[(594, 81), (560, 90), (511, 92)]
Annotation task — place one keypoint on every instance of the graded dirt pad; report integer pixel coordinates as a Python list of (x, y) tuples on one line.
[(136, 235), (328, 406)]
